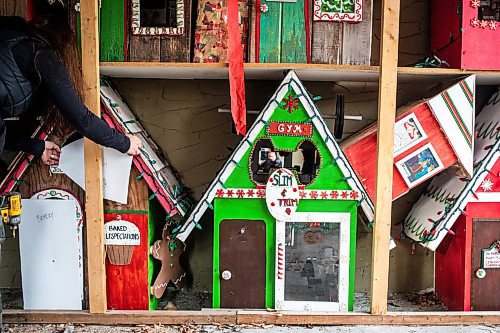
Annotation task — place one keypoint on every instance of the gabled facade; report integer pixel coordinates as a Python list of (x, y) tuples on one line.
[(285, 211)]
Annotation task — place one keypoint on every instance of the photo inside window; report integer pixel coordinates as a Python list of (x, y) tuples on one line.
[(158, 13)]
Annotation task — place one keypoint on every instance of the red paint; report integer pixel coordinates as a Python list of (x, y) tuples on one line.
[(127, 286), (126, 23), (29, 10), (474, 49), (308, 31), (257, 31), (361, 152), (287, 128), (493, 177)]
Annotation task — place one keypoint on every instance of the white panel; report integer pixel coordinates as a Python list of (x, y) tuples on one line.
[(49, 255)]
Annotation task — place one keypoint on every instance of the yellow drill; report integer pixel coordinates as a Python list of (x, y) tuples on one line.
[(10, 209)]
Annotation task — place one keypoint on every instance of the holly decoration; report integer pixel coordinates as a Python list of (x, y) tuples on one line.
[(290, 103)]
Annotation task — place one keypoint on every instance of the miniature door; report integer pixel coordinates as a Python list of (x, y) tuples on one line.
[(312, 264), (485, 265), (281, 32), (242, 263)]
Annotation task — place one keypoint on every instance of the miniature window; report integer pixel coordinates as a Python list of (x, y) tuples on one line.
[(315, 271), (157, 17), (489, 10), (304, 161)]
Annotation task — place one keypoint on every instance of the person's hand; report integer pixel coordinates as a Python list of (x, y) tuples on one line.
[(135, 145), (51, 153)]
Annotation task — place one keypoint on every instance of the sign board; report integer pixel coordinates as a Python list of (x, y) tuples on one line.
[(289, 129), (282, 194), (120, 232), (491, 256)]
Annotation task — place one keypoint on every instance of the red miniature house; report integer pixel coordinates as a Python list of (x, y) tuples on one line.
[(465, 33), (428, 137), (460, 219)]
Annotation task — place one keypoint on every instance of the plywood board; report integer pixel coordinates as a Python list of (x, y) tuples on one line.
[(49, 255)]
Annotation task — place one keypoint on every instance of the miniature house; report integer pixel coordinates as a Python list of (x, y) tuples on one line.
[(429, 136), (285, 211), (459, 218), (145, 30), (464, 33), (134, 278)]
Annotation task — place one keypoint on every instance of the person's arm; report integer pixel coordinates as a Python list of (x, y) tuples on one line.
[(55, 79), (31, 146)]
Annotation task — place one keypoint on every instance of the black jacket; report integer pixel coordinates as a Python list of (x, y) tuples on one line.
[(28, 67)]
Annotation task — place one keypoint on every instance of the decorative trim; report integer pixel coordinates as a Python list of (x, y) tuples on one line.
[(259, 193), (320, 15), (483, 24), (135, 21)]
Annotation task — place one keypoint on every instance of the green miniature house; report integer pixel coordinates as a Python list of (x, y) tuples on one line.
[(285, 213)]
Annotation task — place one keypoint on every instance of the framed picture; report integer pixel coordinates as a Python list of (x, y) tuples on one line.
[(407, 133), (157, 17), (419, 165)]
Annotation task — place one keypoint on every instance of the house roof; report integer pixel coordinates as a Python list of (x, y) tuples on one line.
[(293, 82), (447, 195), (151, 162)]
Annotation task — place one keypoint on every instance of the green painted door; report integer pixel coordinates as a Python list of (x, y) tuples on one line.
[(284, 32)]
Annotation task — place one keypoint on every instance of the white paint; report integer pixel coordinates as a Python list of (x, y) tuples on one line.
[(115, 171), (343, 284), (282, 194), (49, 255), (121, 232), (405, 136), (491, 257)]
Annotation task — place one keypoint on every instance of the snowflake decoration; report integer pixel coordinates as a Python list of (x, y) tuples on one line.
[(484, 24), (487, 185), (475, 3), (290, 103), (493, 25), (475, 22)]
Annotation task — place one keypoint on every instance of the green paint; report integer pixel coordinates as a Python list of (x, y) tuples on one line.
[(227, 209), (156, 214), (329, 177), (112, 32), (283, 33)]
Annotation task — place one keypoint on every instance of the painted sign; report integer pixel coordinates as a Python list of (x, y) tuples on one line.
[(407, 133), (491, 256), (289, 129), (282, 194), (119, 232)]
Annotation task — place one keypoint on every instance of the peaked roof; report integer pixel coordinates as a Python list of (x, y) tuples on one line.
[(447, 195), (291, 81), (151, 162)]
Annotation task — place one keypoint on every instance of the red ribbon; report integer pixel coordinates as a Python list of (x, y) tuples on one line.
[(236, 71)]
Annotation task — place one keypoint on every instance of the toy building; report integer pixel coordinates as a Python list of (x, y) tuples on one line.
[(459, 218), (285, 211), (145, 30), (156, 200), (463, 33), (429, 136)]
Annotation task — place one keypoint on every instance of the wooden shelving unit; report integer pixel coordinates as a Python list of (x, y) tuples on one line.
[(271, 71)]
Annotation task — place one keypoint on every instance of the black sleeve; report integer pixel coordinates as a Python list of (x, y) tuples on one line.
[(55, 79), (28, 145)]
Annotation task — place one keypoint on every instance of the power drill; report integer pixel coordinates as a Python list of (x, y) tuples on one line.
[(10, 211)]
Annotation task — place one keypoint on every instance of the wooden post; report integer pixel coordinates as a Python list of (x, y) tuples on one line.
[(385, 160), (94, 209)]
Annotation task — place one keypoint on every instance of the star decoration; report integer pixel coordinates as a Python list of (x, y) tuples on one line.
[(250, 193), (261, 193), (219, 193), (487, 185), (475, 3), (314, 194), (354, 195), (240, 193), (324, 195), (334, 194), (229, 193), (290, 103), (475, 22), (344, 194), (493, 25), (264, 8), (484, 24), (302, 194)]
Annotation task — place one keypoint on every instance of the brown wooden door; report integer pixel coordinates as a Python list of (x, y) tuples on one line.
[(242, 252), (484, 292)]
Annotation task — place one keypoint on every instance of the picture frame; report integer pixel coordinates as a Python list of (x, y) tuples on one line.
[(420, 165), (408, 132), (137, 29), (329, 10)]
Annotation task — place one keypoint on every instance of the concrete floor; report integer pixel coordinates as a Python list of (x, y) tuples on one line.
[(247, 329)]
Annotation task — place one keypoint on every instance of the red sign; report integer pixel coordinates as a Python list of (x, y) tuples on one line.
[(291, 129)]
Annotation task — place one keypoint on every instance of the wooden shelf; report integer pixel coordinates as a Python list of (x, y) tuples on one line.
[(307, 72)]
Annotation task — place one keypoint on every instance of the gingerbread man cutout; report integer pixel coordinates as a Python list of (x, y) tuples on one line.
[(171, 269)]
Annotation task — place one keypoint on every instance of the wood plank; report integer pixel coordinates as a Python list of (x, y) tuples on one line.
[(357, 39), (137, 199), (248, 317), (144, 48), (13, 8), (294, 32), (385, 142), (113, 25), (327, 42), (93, 160), (270, 33)]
